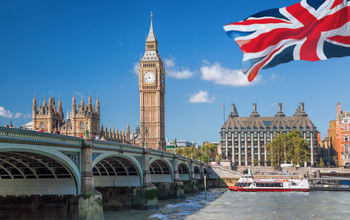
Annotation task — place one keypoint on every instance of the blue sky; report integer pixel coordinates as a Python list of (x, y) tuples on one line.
[(62, 48)]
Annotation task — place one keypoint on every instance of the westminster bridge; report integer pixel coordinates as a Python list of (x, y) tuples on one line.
[(42, 164)]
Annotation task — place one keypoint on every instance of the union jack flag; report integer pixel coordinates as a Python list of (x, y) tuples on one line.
[(310, 30)]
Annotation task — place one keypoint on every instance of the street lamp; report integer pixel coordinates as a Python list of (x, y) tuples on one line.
[(145, 134), (86, 117)]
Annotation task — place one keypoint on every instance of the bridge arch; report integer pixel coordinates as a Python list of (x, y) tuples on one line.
[(37, 171), (196, 172), (184, 172), (115, 169), (161, 170)]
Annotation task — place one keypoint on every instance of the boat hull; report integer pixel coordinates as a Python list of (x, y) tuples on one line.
[(242, 189)]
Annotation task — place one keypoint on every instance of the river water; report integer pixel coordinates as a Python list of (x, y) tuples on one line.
[(223, 204)]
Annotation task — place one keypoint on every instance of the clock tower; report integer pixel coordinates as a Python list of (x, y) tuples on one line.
[(152, 90)]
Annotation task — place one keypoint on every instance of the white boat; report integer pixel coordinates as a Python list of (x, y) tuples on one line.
[(249, 184)]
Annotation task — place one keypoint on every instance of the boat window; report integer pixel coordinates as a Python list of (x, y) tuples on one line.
[(294, 184), (258, 184)]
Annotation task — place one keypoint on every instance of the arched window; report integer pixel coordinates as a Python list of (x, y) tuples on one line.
[(81, 125), (42, 125)]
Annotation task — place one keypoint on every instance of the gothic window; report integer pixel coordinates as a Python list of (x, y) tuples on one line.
[(42, 126), (81, 125)]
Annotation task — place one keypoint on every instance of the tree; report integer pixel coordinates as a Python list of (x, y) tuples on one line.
[(207, 152), (179, 151), (288, 148), (300, 149), (278, 150), (321, 162)]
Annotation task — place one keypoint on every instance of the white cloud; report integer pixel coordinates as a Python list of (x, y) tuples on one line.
[(169, 63), (225, 76), (136, 67), (180, 74), (201, 97), (7, 114), (177, 72)]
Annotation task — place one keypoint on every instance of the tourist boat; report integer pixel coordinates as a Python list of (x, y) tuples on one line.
[(249, 184)]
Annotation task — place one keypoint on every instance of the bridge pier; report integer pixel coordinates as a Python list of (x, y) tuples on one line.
[(146, 197), (179, 185), (90, 201)]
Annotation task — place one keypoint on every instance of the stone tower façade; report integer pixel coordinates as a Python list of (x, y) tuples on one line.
[(152, 91), (48, 118)]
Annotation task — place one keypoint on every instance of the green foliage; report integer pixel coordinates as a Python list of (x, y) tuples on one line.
[(288, 148), (206, 153), (321, 162)]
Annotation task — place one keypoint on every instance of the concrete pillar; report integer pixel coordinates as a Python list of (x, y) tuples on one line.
[(245, 150), (233, 148), (146, 197), (239, 150), (271, 136), (226, 145), (90, 201), (176, 169), (252, 148), (147, 181), (192, 176), (312, 148), (259, 156), (304, 135), (265, 152), (87, 185)]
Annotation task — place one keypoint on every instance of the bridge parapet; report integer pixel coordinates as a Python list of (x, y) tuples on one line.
[(15, 134)]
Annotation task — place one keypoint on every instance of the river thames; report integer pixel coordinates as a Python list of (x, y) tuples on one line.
[(224, 204)]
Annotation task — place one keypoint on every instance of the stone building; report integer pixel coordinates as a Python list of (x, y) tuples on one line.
[(152, 92), (50, 118), (342, 141), (243, 139)]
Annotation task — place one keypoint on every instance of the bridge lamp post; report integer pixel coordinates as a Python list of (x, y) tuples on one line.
[(86, 117), (145, 133)]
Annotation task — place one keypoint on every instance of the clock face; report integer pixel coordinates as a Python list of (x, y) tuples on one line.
[(149, 77)]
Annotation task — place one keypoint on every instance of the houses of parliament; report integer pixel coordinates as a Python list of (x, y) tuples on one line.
[(86, 117)]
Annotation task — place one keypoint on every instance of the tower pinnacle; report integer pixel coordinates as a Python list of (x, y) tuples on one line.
[(151, 36)]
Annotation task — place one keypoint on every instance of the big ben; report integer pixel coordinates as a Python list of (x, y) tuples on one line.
[(152, 91)]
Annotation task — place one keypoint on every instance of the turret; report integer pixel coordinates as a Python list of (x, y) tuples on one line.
[(128, 132), (98, 106), (82, 104), (280, 112), (74, 106), (50, 106), (34, 107), (90, 103), (60, 109), (254, 112), (151, 41), (234, 112)]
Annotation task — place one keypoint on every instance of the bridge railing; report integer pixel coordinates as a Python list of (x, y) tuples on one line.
[(29, 135), (105, 145)]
